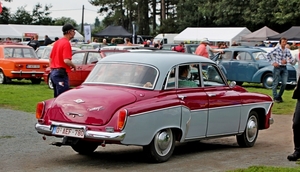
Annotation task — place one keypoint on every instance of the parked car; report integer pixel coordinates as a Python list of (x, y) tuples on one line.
[(39, 51), (189, 48), (250, 65), (20, 62), (142, 99), (47, 50), (84, 60)]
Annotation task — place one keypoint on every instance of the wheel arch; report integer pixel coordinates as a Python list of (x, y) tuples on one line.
[(261, 117)]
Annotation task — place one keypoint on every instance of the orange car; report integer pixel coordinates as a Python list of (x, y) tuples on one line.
[(20, 62)]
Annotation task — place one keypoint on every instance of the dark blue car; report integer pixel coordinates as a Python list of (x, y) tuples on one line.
[(250, 65)]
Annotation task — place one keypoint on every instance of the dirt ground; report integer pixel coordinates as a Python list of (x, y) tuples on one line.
[(22, 149)]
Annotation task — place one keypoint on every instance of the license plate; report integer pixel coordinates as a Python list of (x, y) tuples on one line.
[(32, 66), (71, 132)]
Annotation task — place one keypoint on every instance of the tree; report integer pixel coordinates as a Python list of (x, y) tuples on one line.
[(21, 16), (63, 20), (41, 17), (5, 16)]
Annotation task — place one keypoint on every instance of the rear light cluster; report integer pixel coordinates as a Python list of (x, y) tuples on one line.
[(45, 66), (122, 116), (19, 65), (40, 110)]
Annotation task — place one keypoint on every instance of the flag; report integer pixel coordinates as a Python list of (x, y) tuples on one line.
[(0, 7), (87, 33)]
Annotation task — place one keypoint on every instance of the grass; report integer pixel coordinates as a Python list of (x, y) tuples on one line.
[(266, 169), (23, 96)]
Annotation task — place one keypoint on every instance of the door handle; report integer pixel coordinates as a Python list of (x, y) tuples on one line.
[(181, 97), (212, 95)]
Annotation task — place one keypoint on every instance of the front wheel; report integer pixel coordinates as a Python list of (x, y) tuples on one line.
[(248, 138), (267, 80), (84, 147), (161, 147)]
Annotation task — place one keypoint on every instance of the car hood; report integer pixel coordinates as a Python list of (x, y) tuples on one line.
[(91, 105)]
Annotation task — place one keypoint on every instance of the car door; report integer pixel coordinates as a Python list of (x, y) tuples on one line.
[(244, 67), (75, 76), (194, 102), (89, 63), (224, 104)]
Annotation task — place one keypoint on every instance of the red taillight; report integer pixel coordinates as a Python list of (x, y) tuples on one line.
[(45, 66), (122, 118), (39, 110), (19, 65)]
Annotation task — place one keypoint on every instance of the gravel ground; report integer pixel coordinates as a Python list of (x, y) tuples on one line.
[(22, 149)]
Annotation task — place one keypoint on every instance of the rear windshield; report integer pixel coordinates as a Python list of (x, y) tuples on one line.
[(19, 52), (135, 75)]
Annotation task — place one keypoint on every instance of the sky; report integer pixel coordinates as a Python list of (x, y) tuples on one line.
[(60, 8)]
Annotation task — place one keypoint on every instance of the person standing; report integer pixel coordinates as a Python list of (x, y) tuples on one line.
[(47, 40), (279, 57), (179, 48), (34, 43), (296, 125), (127, 42), (201, 49), (60, 61)]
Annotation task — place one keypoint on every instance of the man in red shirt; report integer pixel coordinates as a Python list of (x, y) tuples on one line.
[(60, 61), (179, 48), (201, 49)]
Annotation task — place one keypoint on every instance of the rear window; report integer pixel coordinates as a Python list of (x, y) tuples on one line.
[(135, 75), (19, 52)]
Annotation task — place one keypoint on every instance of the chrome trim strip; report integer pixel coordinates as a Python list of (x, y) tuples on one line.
[(97, 135), (29, 72)]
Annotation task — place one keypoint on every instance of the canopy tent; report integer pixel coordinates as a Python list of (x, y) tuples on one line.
[(292, 34), (214, 34), (260, 35), (113, 31), (19, 31)]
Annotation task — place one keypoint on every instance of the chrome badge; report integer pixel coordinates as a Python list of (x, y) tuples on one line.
[(79, 101), (96, 108), (75, 114)]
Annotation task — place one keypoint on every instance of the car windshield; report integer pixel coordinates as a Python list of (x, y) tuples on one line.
[(19, 52), (135, 75), (259, 55)]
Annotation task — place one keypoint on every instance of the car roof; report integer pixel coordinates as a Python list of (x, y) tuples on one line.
[(157, 58), (120, 47), (243, 49)]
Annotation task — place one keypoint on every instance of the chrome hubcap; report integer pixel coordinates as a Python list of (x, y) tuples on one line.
[(1, 77), (50, 83), (251, 129), (163, 142), (269, 81)]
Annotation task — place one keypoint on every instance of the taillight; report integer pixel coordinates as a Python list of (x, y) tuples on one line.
[(19, 65), (122, 118), (39, 110), (45, 66)]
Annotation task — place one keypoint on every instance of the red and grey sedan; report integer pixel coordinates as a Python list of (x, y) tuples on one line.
[(153, 99)]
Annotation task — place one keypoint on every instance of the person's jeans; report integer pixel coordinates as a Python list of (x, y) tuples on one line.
[(277, 73), (60, 81)]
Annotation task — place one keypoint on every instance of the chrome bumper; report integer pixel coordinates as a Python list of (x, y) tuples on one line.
[(97, 135), (271, 121)]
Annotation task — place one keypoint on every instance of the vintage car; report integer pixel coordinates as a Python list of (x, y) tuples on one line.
[(45, 54), (250, 65), (84, 60), (141, 98), (189, 48), (19, 61)]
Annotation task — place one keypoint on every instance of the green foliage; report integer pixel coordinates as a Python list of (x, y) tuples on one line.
[(266, 169), (63, 20)]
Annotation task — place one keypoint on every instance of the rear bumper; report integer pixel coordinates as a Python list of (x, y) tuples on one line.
[(95, 135)]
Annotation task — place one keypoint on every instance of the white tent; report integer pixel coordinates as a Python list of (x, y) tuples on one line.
[(214, 34), (18, 31)]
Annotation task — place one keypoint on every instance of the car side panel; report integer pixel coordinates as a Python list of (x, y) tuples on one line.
[(141, 128)]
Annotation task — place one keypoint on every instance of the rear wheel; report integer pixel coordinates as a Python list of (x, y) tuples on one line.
[(161, 147), (84, 147), (267, 80), (248, 138), (50, 84), (36, 80), (2, 77)]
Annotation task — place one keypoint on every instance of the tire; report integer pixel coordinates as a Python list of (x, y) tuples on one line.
[(50, 84), (161, 147), (2, 78), (36, 81), (239, 83), (84, 147), (267, 80), (248, 138)]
